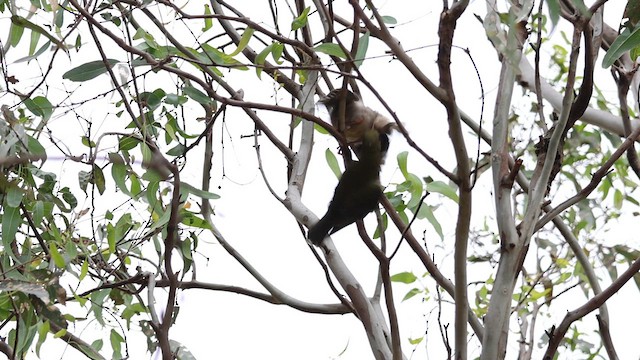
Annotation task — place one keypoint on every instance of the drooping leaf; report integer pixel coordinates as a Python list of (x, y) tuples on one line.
[(43, 330), (363, 45), (15, 34), (554, 12), (68, 197), (176, 100), (626, 41), (208, 22), (116, 341), (190, 219), (197, 95), (426, 212), (404, 277), (331, 49), (35, 37), (244, 41), (199, 193), (35, 148), (11, 220), (127, 143), (41, 50), (98, 179), (261, 58), (402, 162), (411, 293), (84, 178), (14, 195), (301, 20), (276, 52), (444, 189), (39, 106), (56, 256), (333, 163), (84, 270), (88, 71)]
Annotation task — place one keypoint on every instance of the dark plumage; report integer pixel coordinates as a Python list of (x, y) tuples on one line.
[(357, 192)]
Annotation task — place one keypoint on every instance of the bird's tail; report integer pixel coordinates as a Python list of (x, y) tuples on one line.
[(319, 231)]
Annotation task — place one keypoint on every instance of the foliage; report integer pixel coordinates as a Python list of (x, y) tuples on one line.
[(116, 117)]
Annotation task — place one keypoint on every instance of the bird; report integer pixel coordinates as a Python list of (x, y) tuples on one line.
[(358, 117), (357, 192)]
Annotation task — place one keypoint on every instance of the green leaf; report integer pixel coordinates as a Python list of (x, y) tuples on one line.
[(43, 330), (116, 344), (331, 49), (127, 143), (413, 292), (301, 20), (39, 106), (111, 238), (11, 220), (88, 142), (197, 95), (84, 178), (389, 20), (415, 190), (244, 41), (35, 37), (88, 71), (363, 45), (404, 277), (14, 195), (59, 17), (38, 212), (15, 34), (208, 22), (176, 100), (333, 163), (402, 162), (632, 11), (427, 212), (320, 129), (626, 41), (276, 53), (40, 51), (199, 193), (261, 58), (83, 270), (35, 148), (617, 199), (98, 179), (444, 189), (58, 260), (68, 197), (190, 219), (152, 99), (177, 150), (97, 345), (554, 12)]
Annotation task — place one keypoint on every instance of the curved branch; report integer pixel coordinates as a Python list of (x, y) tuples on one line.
[(428, 263), (595, 302), (279, 299)]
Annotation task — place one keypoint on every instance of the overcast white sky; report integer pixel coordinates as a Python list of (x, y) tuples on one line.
[(229, 326)]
